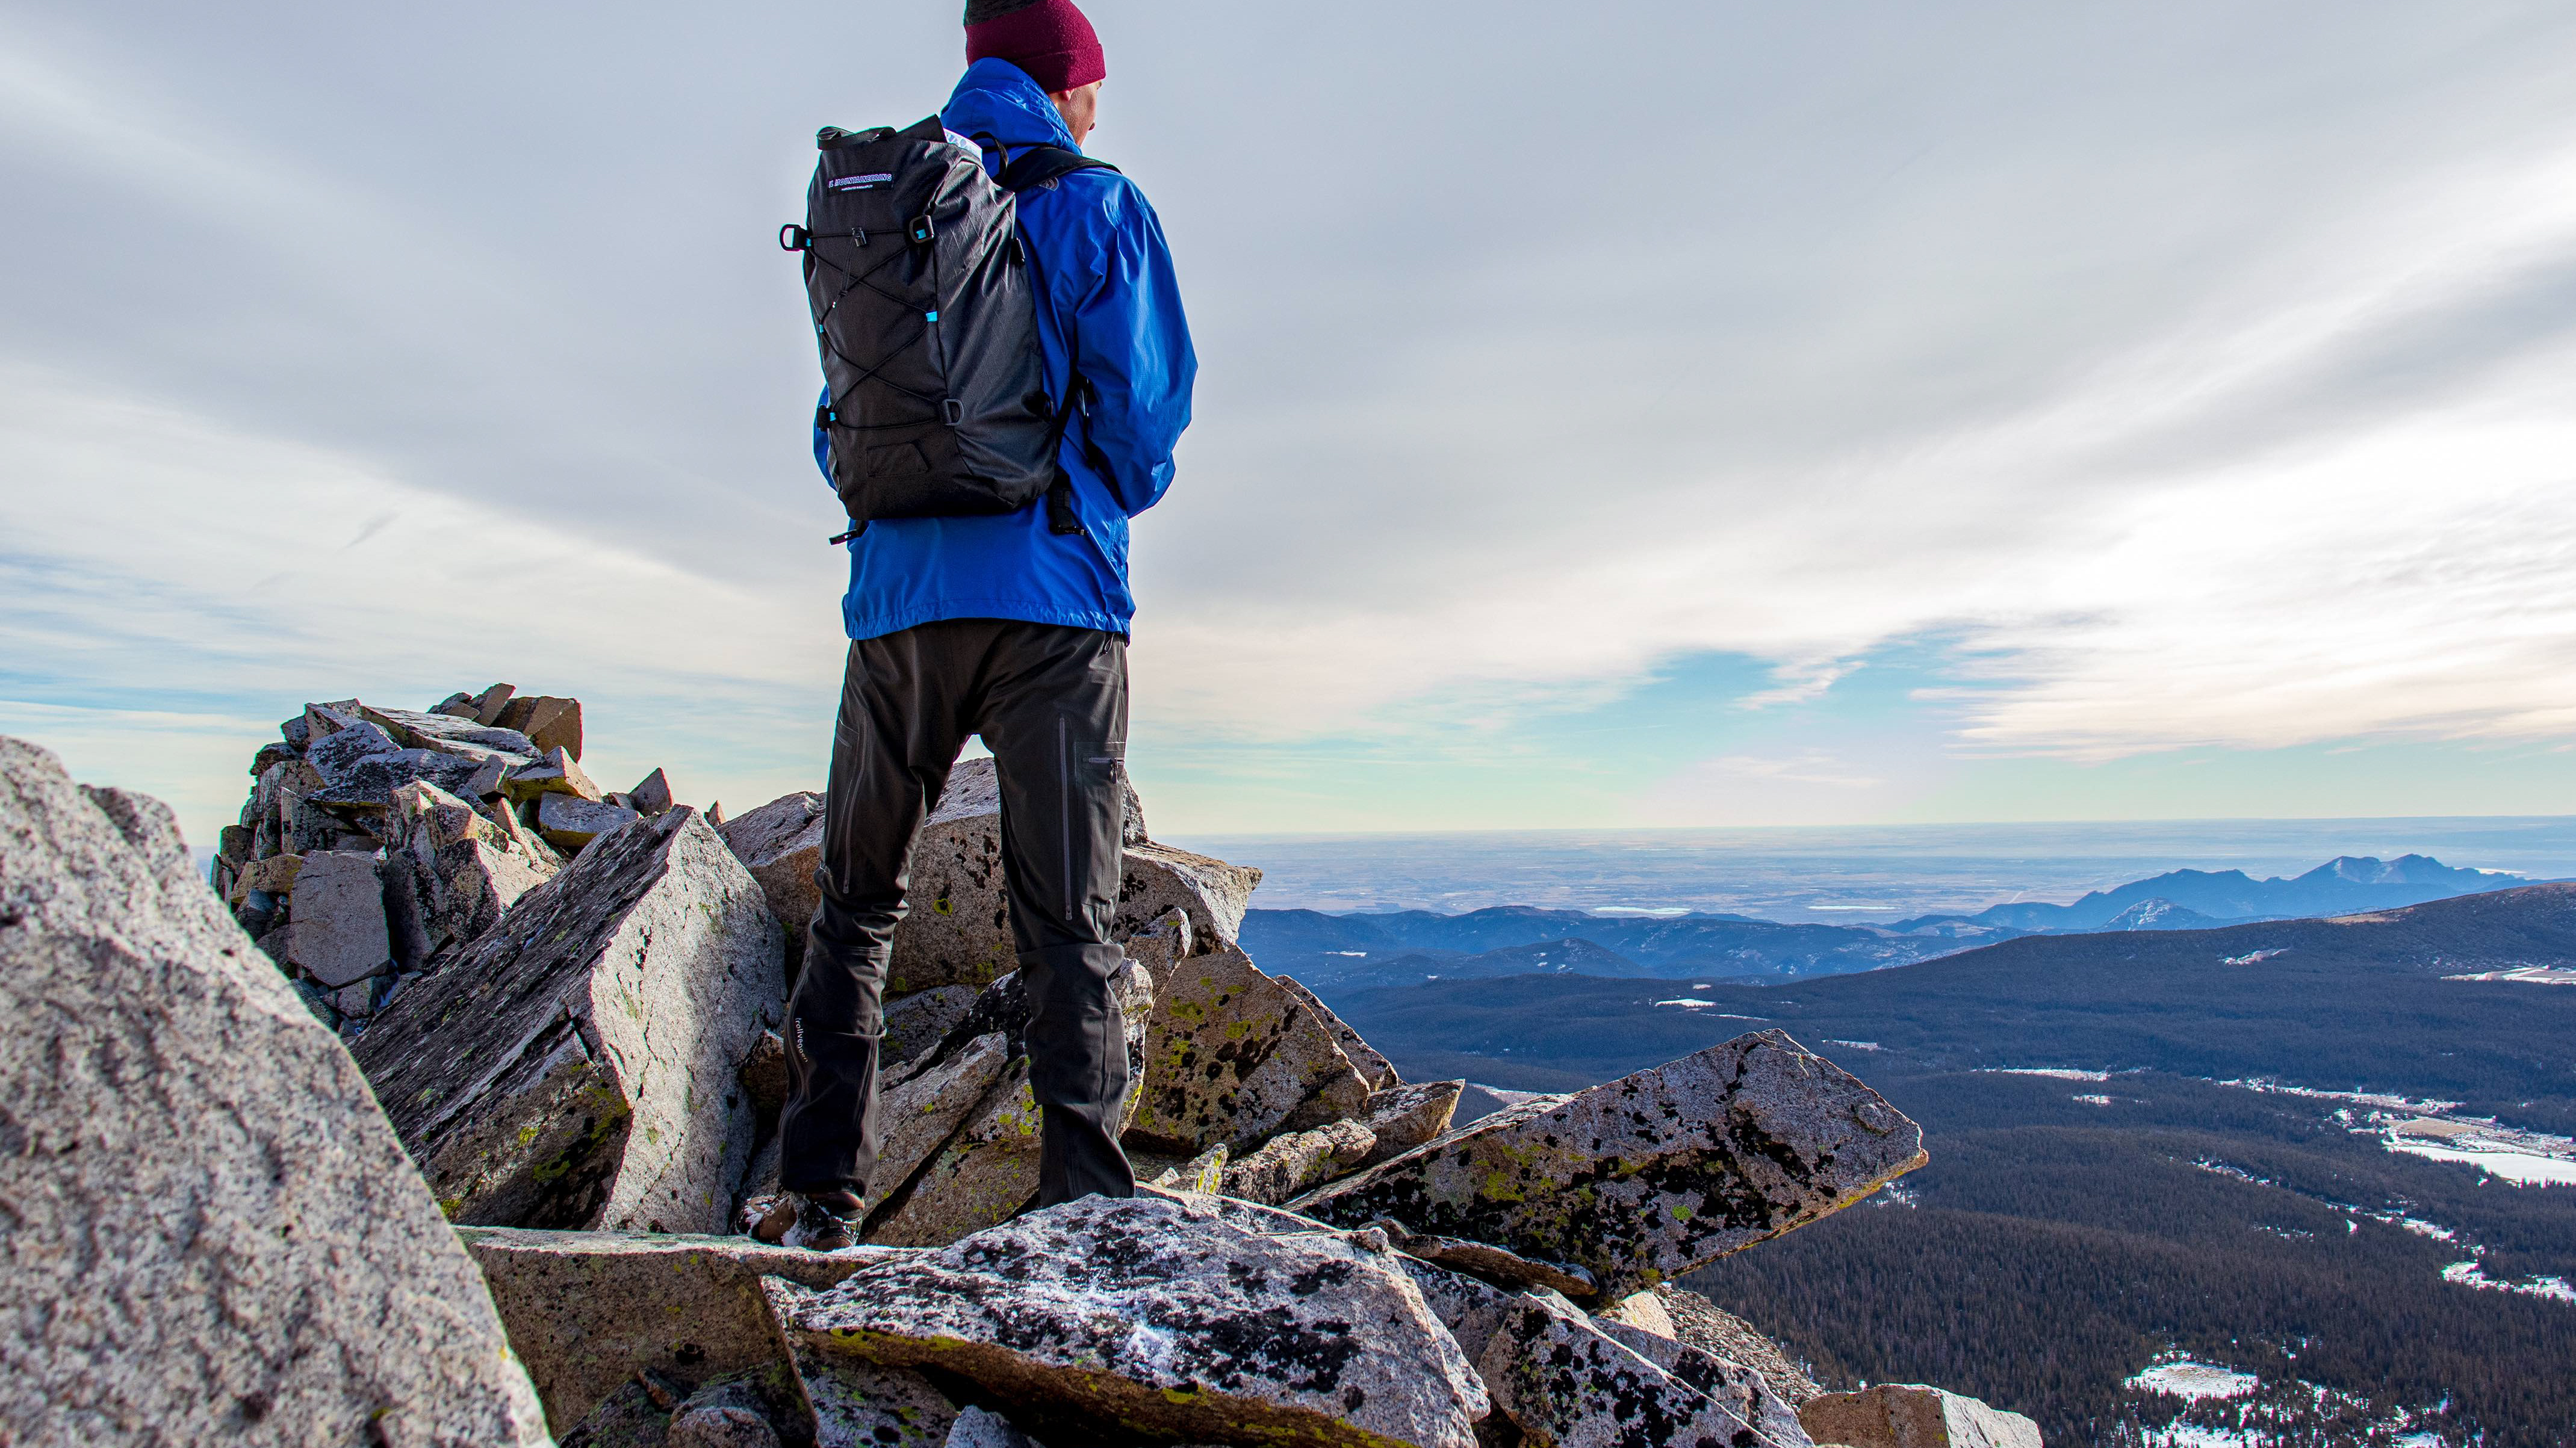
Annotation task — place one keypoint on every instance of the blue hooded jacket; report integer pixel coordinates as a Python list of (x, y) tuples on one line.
[(1109, 306)]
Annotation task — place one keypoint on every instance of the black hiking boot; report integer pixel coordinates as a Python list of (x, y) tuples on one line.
[(821, 1222)]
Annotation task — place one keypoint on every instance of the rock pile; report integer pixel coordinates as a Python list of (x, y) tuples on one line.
[(377, 841), (572, 1032)]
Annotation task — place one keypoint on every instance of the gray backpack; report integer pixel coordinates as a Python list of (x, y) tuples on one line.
[(924, 308)]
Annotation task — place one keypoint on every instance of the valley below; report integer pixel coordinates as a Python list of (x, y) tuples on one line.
[(2307, 1181)]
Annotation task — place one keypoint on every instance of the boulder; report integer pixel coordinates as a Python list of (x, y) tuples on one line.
[(1203, 1173), (1149, 1318), (1471, 1310), (212, 1233), (781, 843), (1294, 1161), (569, 822), (549, 723), (987, 1171), (489, 704), (587, 1311), (860, 1405), (920, 1021), (450, 871), (1895, 1415), (1157, 878), (1405, 1117), (922, 1114), (958, 930), (1700, 1323), (1653, 1174), (1374, 1069), (275, 875), (1232, 1056), (447, 734), (557, 772), (1742, 1391), (338, 906), (575, 1067), (1567, 1384), (652, 796), (976, 1428)]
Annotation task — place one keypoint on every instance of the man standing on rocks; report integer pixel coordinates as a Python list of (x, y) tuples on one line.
[(1011, 626)]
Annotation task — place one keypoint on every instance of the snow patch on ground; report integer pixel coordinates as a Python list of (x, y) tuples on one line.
[(2469, 1274), (1855, 1045), (2053, 1073), (2194, 1381), (2094, 1100), (2523, 1169)]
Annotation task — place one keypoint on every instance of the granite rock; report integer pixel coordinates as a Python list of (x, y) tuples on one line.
[(1232, 1056), (549, 722), (587, 1311), (1897, 1415), (569, 822), (1156, 878), (576, 1066), (557, 772), (1653, 1174), (1700, 1323), (447, 734), (1567, 1384), (451, 871), (1294, 1161), (1743, 1392), (781, 843), (1374, 1068), (164, 1092), (920, 1021), (1155, 1320), (958, 929), (338, 905), (1405, 1117)]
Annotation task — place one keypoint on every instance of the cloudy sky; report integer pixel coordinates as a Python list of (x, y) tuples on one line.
[(1622, 414)]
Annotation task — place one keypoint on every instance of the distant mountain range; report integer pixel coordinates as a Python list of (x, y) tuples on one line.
[(1412, 946), (2341, 886)]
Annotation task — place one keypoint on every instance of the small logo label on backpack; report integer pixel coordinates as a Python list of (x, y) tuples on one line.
[(860, 183)]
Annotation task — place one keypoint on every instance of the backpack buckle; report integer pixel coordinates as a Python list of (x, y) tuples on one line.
[(792, 237), (922, 230)]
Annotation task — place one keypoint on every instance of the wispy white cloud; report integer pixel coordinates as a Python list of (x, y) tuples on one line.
[(2237, 424)]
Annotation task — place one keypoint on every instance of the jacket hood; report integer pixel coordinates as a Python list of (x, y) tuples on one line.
[(998, 99)]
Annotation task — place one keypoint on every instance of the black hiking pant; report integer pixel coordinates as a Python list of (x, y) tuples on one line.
[(1051, 703)]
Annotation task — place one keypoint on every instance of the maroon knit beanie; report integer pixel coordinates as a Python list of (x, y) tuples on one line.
[(1049, 39)]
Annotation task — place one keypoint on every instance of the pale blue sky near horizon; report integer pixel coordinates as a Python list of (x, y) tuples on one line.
[(1647, 415)]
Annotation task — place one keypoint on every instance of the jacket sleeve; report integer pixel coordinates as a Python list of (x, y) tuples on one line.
[(1133, 344)]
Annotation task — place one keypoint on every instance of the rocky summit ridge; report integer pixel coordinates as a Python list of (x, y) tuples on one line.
[(436, 1122)]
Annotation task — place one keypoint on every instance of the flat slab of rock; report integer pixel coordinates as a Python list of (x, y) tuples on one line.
[(1567, 1384), (1739, 1389), (449, 734), (576, 1066), (1896, 1415), (1233, 1057), (1151, 1318), (549, 722), (1653, 1174), (1504, 1269), (169, 1106), (587, 1311), (569, 823)]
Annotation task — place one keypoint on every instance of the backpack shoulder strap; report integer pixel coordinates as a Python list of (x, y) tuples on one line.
[(1033, 166)]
